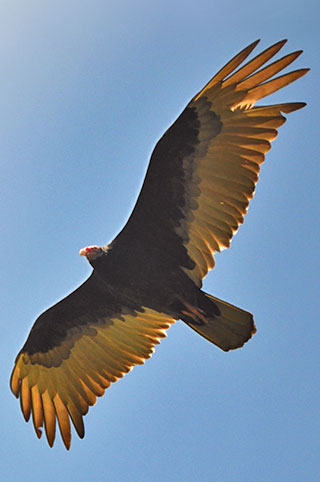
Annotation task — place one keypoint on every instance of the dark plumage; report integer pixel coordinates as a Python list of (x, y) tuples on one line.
[(201, 176)]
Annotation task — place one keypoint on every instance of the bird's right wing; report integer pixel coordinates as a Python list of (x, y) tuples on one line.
[(74, 351)]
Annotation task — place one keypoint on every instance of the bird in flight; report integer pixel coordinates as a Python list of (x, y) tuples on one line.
[(201, 176)]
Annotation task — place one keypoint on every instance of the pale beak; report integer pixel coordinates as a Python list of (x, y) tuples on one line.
[(83, 252)]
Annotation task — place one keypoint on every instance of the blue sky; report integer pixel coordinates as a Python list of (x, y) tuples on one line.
[(87, 88)]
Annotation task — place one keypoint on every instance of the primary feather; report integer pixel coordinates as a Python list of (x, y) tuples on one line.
[(201, 176)]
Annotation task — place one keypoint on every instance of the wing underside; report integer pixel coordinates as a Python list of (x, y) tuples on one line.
[(203, 171), (61, 384)]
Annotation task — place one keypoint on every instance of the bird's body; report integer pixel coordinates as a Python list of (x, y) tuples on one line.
[(200, 178)]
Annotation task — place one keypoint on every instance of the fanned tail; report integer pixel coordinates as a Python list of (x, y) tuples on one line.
[(225, 325)]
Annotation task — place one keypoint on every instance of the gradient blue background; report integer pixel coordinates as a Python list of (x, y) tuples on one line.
[(87, 88)]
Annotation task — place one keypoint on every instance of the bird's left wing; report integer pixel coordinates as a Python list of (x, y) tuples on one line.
[(75, 350), (203, 171)]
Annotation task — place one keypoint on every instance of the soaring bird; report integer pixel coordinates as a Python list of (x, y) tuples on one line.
[(201, 176)]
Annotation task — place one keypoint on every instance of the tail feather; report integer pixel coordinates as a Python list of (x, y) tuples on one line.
[(223, 324)]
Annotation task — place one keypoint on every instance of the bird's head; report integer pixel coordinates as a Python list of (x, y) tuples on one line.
[(91, 253)]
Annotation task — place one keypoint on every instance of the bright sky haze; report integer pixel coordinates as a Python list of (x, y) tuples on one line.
[(87, 89)]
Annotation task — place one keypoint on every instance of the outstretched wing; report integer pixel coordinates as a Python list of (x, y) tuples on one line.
[(75, 350), (204, 169)]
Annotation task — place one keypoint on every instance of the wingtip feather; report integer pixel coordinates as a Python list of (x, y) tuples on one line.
[(293, 106)]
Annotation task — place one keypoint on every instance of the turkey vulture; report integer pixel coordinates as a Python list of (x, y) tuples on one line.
[(201, 176)]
